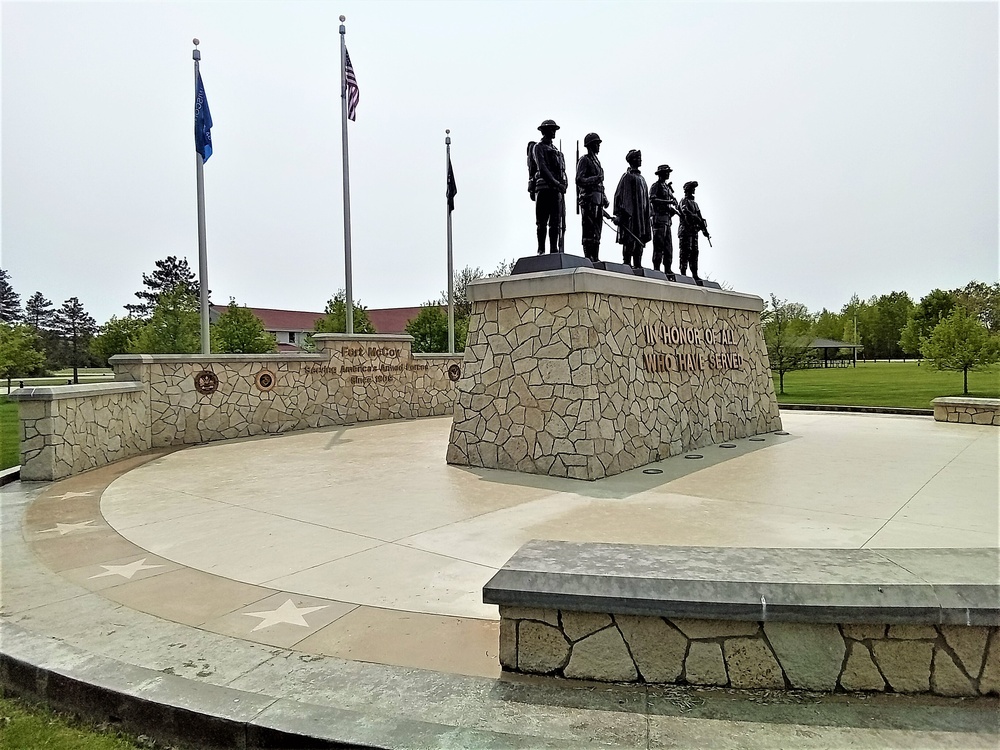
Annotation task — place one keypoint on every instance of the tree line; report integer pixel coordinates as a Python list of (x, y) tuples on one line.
[(956, 329)]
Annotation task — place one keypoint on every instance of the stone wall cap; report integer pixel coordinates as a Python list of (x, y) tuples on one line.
[(966, 401), (126, 359), (592, 280), (437, 355), (82, 390), (954, 586)]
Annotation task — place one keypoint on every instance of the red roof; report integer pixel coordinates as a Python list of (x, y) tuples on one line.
[(385, 320), (281, 320), (392, 319)]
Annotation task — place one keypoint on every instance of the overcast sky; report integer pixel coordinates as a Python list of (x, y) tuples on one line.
[(840, 147)]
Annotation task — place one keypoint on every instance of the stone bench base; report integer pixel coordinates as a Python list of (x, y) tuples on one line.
[(951, 660), (967, 410)]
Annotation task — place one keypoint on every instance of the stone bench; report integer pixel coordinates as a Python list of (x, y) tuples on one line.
[(967, 410), (910, 621)]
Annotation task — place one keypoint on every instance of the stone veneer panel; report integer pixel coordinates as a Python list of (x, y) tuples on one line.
[(153, 402), (69, 429), (966, 410), (584, 377), (849, 657)]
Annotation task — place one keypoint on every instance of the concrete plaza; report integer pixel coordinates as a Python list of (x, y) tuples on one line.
[(341, 570)]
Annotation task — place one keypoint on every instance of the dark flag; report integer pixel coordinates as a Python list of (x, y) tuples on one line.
[(353, 94), (202, 122), (452, 187)]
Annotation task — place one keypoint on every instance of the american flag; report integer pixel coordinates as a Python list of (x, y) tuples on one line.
[(353, 95)]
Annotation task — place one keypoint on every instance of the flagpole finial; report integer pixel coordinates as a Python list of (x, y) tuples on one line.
[(343, 18), (195, 41)]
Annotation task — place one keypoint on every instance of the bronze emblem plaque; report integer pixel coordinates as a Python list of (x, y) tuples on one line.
[(206, 382), (265, 380), (454, 372)]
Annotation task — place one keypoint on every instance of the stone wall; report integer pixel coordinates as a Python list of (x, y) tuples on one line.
[(69, 429), (967, 410), (350, 379), (952, 660), (585, 373), (156, 401)]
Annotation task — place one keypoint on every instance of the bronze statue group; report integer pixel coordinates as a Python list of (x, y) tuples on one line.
[(640, 213)]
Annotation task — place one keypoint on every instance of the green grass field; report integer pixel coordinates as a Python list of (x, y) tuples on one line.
[(27, 727), (902, 384), (9, 434)]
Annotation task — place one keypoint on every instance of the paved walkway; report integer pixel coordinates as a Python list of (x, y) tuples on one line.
[(342, 569)]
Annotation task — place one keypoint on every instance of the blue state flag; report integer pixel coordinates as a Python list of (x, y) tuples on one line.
[(202, 122)]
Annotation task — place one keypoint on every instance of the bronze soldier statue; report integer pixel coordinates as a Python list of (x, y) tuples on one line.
[(632, 211), (663, 206), (590, 191), (550, 185), (691, 223)]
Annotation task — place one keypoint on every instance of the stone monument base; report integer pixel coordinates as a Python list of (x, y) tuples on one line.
[(585, 374)]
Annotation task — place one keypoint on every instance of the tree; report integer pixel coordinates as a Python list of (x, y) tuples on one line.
[(886, 317), (239, 331), (38, 312), (76, 326), (931, 310), (10, 301), (20, 355), (169, 274), (982, 301), (336, 316), (786, 334), (430, 329), (460, 286), (117, 336), (174, 328), (961, 342), (829, 325)]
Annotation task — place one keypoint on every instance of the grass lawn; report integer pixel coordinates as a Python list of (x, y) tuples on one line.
[(884, 384), (59, 377), (10, 438), (27, 727)]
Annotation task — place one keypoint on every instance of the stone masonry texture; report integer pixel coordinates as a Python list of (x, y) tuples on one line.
[(588, 385), (947, 660)]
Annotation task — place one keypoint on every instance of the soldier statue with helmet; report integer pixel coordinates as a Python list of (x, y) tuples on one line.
[(691, 223), (547, 186), (590, 195)]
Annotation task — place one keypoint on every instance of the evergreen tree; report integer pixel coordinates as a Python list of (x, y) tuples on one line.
[(38, 312), (10, 301), (169, 274), (336, 316), (115, 337), (786, 334), (174, 328), (960, 342), (76, 326), (239, 331)]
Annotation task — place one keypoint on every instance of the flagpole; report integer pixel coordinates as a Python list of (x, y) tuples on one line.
[(206, 339), (347, 177), (451, 264)]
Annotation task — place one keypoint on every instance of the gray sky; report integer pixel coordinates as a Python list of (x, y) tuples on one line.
[(840, 147)]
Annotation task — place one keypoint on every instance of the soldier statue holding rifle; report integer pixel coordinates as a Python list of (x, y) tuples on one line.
[(632, 211), (663, 206), (590, 195), (547, 186), (692, 222)]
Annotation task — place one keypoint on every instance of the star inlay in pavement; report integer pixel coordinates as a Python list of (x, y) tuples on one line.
[(71, 495), (67, 528), (286, 613), (126, 571)]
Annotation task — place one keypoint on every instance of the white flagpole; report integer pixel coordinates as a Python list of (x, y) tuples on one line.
[(347, 177), (206, 338), (451, 265)]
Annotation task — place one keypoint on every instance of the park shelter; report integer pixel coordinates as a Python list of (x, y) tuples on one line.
[(828, 345)]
